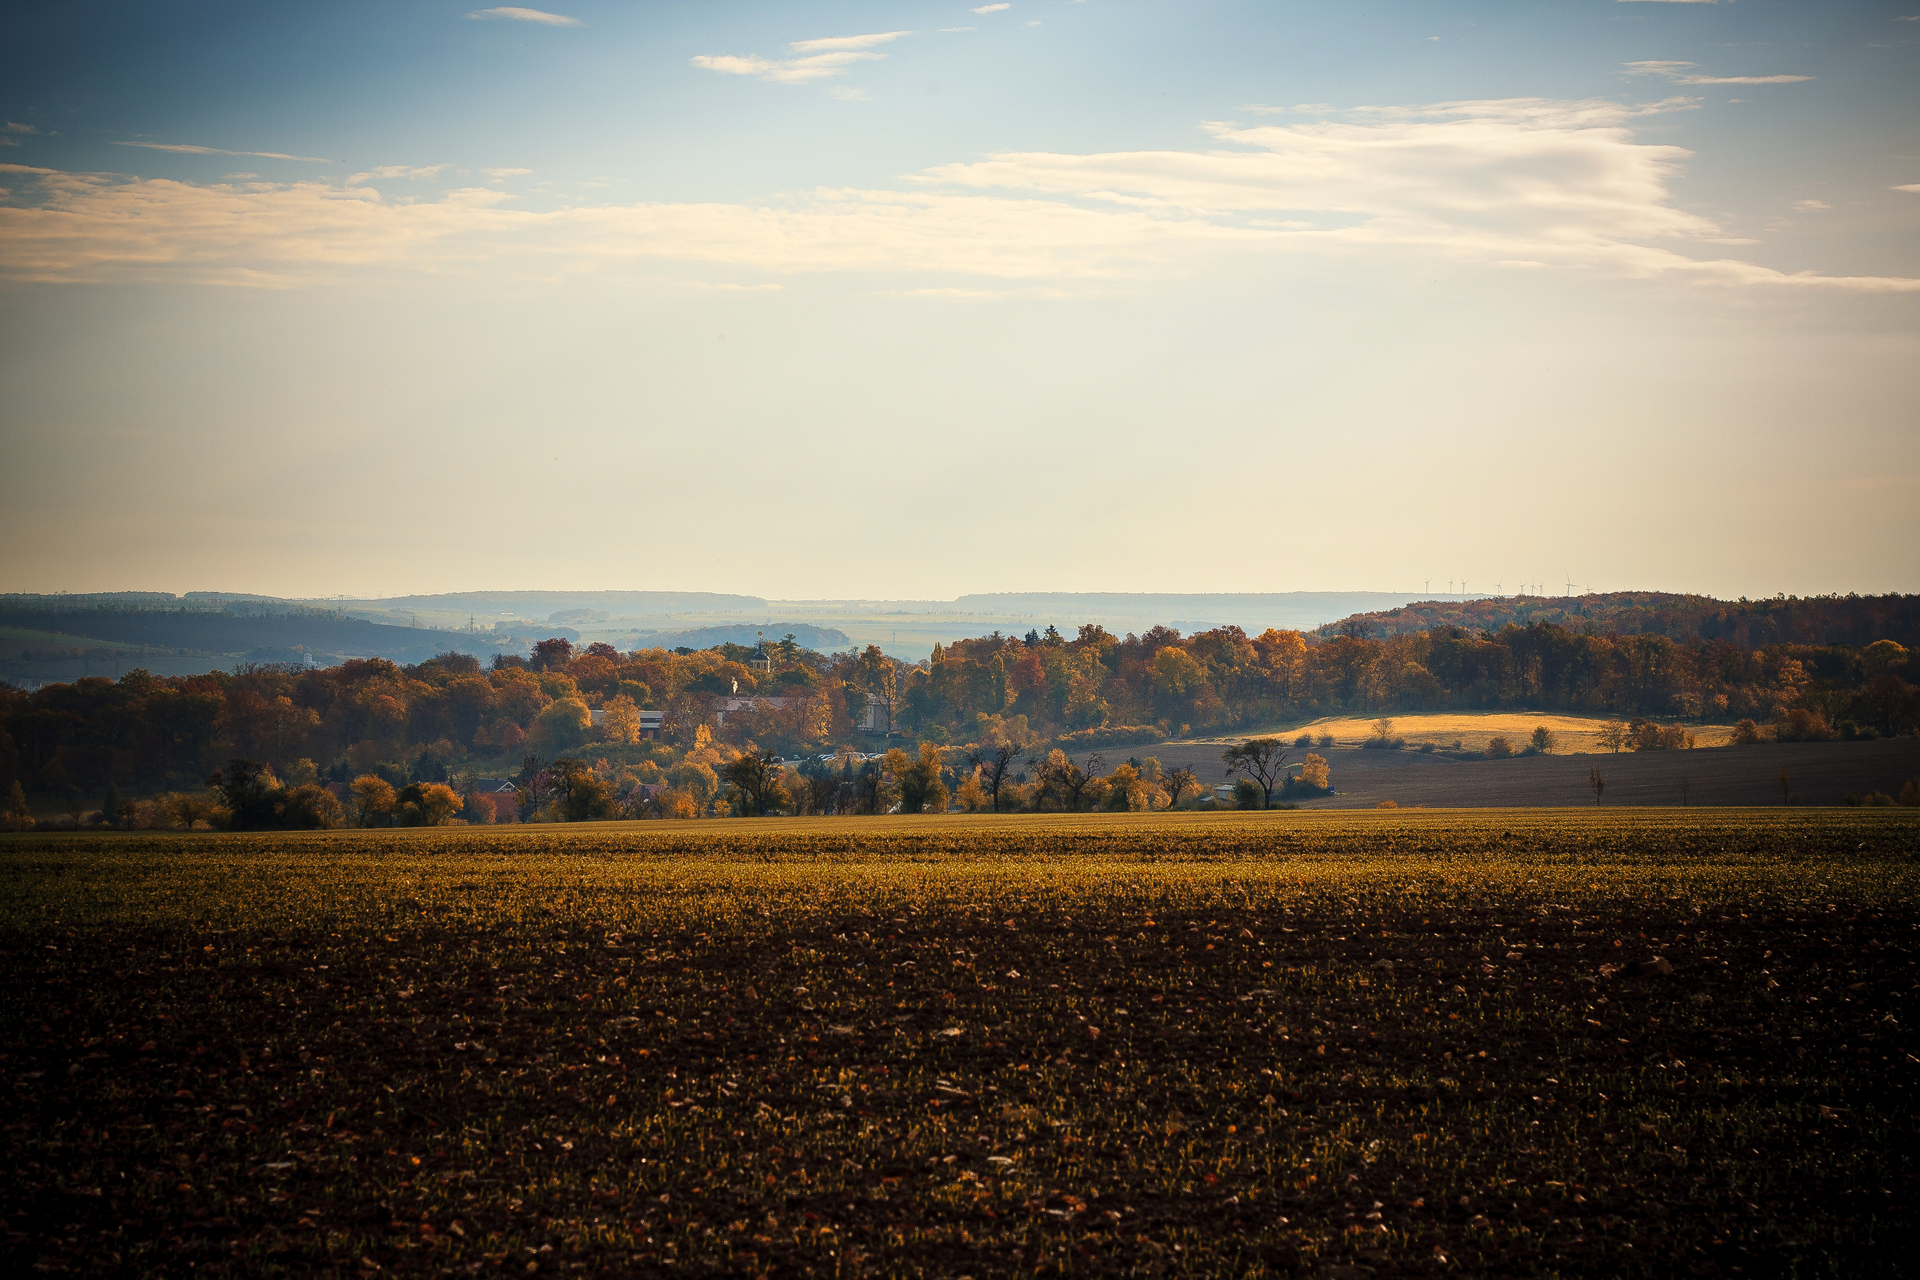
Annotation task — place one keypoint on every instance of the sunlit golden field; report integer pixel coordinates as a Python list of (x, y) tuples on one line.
[(1242, 1044), (1573, 735)]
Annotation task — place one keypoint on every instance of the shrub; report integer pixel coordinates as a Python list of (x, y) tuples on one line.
[(311, 807), (1304, 741), (1112, 735), (676, 802), (427, 804), (1744, 734), (1542, 740), (1648, 736), (1910, 793), (1383, 739), (1499, 749), (1802, 725), (1388, 804), (1248, 795)]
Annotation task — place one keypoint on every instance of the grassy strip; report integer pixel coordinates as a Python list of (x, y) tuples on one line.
[(1238, 1044)]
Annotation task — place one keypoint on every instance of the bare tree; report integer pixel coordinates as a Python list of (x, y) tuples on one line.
[(1598, 783), (1067, 779), (1177, 782), (994, 763), (1262, 759)]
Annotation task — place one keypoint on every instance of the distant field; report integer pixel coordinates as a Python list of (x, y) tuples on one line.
[(1275, 1044), (1573, 735), (1818, 773), (14, 639)]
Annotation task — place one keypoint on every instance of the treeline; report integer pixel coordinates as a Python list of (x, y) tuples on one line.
[(448, 716), (1751, 624)]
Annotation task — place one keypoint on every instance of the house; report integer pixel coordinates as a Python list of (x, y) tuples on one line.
[(752, 702), (649, 720), (503, 794), (877, 718)]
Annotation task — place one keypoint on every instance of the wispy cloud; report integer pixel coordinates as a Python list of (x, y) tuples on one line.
[(397, 171), (513, 13), (821, 59), (1510, 183), (1909, 186), (992, 8), (14, 126), (1667, 1), (186, 149), (1683, 73), (505, 173), (820, 66), (831, 44), (1811, 206)]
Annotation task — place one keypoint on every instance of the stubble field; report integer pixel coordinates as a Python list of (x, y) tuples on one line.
[(1330, 1044)]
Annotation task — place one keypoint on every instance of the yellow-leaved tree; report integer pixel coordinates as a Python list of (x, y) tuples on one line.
[(620, 721), (373, 800), (972, 796)]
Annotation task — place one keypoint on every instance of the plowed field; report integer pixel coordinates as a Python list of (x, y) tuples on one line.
[(1646, 1043)]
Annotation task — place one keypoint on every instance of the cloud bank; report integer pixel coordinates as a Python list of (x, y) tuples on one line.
[(1538, 183)]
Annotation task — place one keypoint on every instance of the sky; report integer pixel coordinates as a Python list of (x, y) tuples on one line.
[(911, 299)]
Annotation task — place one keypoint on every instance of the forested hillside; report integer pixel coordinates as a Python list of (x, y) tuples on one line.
[(1753, 624), (1034, 693)]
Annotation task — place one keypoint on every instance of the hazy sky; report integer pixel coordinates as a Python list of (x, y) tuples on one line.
[(912, 299)]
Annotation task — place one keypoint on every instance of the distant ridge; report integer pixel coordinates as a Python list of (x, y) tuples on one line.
[(616, 603), (1254, 611)]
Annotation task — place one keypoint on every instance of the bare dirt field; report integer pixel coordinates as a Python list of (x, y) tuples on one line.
[(1626, 1044), (1573, 735), (1819, 773)]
